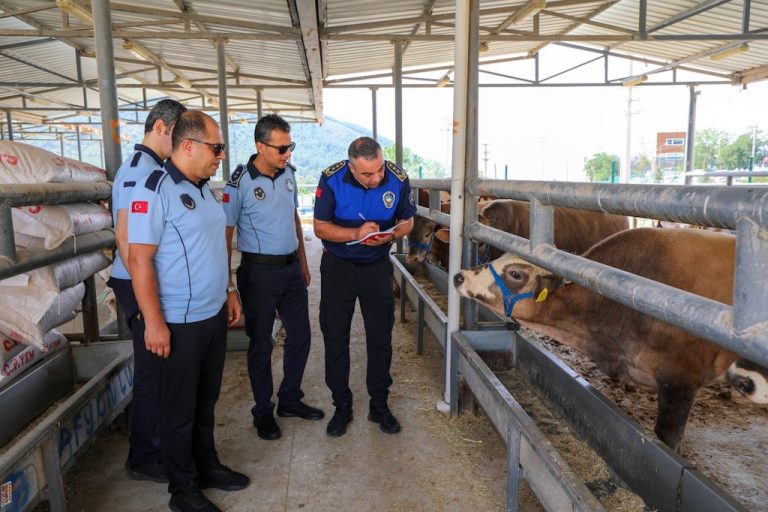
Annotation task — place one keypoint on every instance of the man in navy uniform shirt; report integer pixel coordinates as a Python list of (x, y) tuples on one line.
[(355, 198), (260, 199), (144, 442), (178, 263)]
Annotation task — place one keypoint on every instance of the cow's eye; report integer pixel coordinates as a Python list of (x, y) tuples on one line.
[(515, 275)]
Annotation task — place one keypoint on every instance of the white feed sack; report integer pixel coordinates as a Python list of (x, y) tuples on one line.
[(50, 225), (17, 323), (22, 163), (19, 358)]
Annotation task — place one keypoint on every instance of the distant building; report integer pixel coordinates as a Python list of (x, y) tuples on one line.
[(670, 151)]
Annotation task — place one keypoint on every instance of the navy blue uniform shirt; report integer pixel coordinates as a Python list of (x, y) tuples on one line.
[(186, 223), (341, 199)]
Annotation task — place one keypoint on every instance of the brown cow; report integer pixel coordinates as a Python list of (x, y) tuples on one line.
[(628, 345), (575, 230)]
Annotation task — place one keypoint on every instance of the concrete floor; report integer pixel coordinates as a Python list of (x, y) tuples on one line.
[(433, 464)]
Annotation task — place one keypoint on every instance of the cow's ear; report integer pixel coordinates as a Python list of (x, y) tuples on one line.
[(444, 235), (545, 285)]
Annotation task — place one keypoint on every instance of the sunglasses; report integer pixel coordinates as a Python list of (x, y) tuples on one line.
[(217, 148), (282, 149)]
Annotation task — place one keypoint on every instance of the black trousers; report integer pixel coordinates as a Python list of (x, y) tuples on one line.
[(144, 439), (342, 283), (191, 380), (264, 289)]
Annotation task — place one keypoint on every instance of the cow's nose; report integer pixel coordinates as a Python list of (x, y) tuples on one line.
[(458, 280)]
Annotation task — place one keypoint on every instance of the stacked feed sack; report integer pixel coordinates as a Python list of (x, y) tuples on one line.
[(32, 304)]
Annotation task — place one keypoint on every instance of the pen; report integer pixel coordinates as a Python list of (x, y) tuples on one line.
[(362, 217)]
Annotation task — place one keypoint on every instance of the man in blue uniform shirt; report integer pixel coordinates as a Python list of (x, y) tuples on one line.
[(144, 442), (354, 199), (178, 264), (260, 199)]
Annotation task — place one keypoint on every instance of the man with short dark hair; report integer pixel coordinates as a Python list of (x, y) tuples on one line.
[(260, 200), (177, 259), (354, 200), (144, 441)]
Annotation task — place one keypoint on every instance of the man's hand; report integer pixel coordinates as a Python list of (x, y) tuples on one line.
[(379, 240), (157, 339), (305, 273), (233, 308), (365, 229)]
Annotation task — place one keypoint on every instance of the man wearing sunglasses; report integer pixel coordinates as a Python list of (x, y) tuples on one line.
[(177, 259), (144, 441), (355, 199), (261, 201)]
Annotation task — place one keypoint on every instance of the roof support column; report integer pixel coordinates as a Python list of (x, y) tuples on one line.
[(9, 123), (374, 114), (460, 100), (690, 138), (469, 249), (223, 111), (79, 143), (259, 104), (397, 78), (105, 65)]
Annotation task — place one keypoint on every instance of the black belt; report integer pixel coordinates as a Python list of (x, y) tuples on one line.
[(355, 263), (270, 259)]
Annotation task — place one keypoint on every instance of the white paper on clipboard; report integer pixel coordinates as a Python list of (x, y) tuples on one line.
[(378, 233)]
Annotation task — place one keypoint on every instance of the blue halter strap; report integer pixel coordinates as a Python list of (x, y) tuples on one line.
[(421, 245), (509, 298), (485, 256)]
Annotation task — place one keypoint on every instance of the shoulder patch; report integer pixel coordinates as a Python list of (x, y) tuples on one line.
[(333, 168), (154, 179), (234, 180), (290, 166), (136, 158), (397, 171)]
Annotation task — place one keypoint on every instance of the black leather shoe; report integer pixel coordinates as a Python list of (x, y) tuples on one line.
[(191, 500), (300, 410), (383, 416), (219, 476), (153, 472), (266, 426), (338, 424)]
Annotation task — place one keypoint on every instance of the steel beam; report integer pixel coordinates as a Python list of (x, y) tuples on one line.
[(223, 110), (105, 63)]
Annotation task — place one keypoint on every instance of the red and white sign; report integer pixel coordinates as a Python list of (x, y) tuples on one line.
[(139, 207), (318, 192)]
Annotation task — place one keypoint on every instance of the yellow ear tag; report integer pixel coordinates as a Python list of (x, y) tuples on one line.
[(543, 295)]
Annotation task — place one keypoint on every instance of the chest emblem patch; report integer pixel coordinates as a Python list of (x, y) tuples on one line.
[(388, 198), (187, 201), (289, 185), (259, 193)]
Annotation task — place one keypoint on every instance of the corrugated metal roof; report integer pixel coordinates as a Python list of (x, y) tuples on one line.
[(266, 49)]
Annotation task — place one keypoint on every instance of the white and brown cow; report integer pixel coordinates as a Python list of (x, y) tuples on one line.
[(628, 345)]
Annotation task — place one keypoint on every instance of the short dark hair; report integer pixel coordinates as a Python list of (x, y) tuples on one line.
[(363, 147), (266, 124), (167, 110), (189, 125)]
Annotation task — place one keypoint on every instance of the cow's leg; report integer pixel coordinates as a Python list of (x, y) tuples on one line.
[(675, 403)]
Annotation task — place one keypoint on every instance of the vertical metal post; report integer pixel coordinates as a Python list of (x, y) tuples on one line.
[(542, 223), (691, 136), (745, 17), (514, 472), (397, 77), (90, 312), (403, 298), (420, 329), (471, 156), (642, 25), (57, 499), (749, 300), (7, 241), (374, 113), (9, 122), (105, 65), (79, 143), (223, 110), (61, 144), (259, 104)]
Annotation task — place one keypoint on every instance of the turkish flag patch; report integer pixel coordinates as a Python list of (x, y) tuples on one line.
[(318, 193), (225, 198), (139, 207)]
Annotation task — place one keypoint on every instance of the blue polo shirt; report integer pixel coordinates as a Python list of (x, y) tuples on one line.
[(134, 170), (186, 223), (341, 199), (263, 209)]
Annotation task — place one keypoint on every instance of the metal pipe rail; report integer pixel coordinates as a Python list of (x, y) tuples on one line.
[(742, 328), (728, 175)]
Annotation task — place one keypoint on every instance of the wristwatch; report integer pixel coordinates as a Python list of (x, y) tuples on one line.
[(231, 289)]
